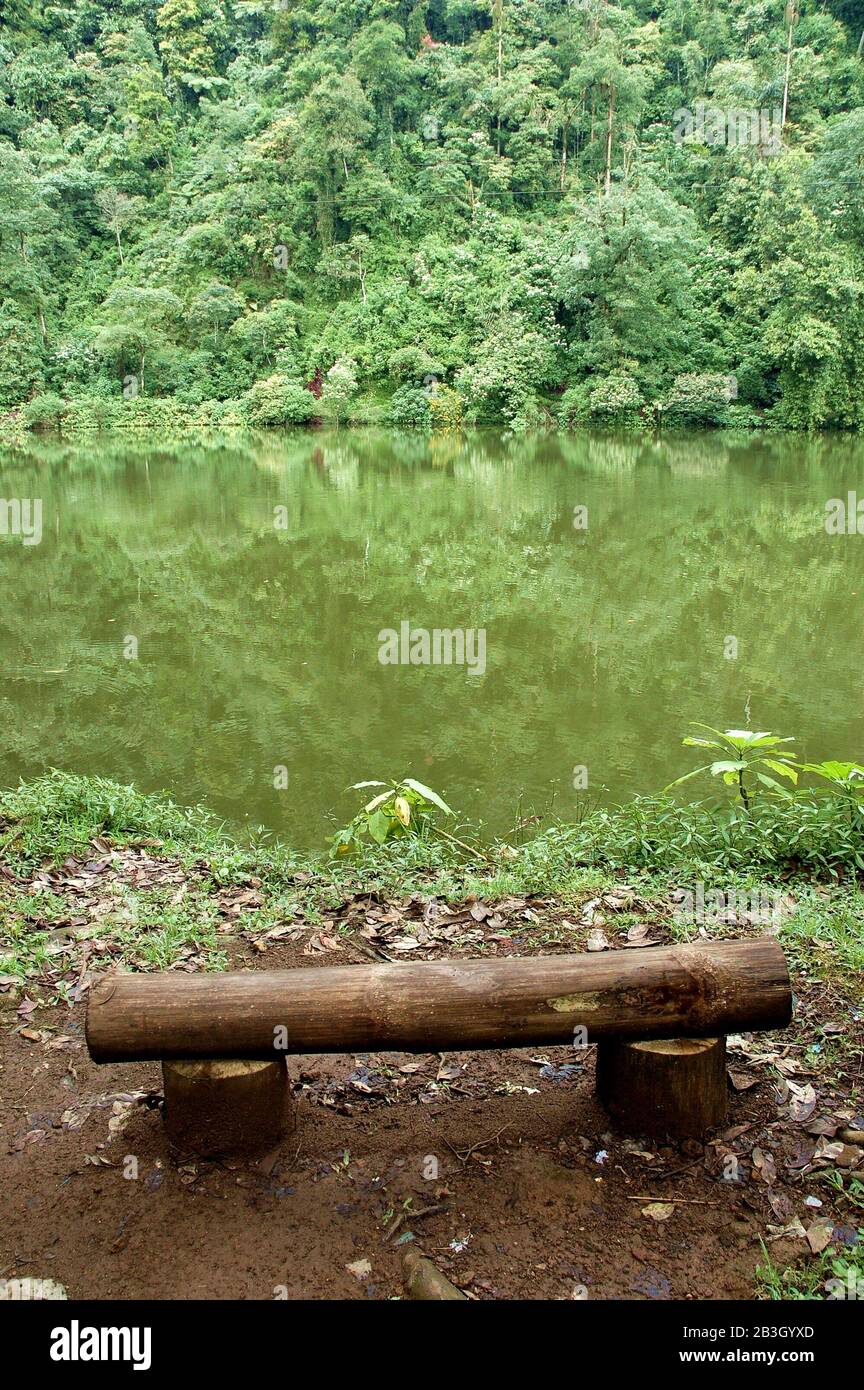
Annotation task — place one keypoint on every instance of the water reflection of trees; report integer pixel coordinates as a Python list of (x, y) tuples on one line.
[(259, 646)]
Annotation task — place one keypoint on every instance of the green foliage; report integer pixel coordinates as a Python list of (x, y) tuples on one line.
[(574, 408), (848, 777), (806, 834), (409, 408), (339, 389), (22, 362), (412, 364), (514, 361), (93, 414), (616, 399), (390, 187), (193, 41), (277, 402), (835, 1275), (44, 412), (406, 808), (845, 778), (445, 408), (746, 754), (698, 398), (44, 821), (59, 814)]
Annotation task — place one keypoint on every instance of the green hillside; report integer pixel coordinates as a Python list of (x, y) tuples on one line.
[(523, 211)]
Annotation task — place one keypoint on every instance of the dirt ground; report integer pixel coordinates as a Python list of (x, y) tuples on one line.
[(535, 1196)]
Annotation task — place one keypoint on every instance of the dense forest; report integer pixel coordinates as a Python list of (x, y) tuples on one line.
[(518, 211)]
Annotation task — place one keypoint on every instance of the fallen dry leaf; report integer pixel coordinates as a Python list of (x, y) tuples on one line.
[(597, 941), (659, 1211), (819, 1236)]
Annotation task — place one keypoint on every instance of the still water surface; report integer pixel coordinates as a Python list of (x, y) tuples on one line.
[(255, 578)]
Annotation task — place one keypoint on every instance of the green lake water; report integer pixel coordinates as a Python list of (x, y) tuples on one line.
[(255, 579)]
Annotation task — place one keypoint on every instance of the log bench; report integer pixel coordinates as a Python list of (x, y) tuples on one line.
[(659, 1015)]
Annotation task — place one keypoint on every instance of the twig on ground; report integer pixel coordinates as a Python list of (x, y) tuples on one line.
[(677, 1201), (411, 1216), (484, 1143)]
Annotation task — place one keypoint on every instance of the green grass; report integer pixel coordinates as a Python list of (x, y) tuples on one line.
[(152, 930), (808, 1280), (807, 832), (808, 845), (833, 923), (143, 929), (59, 813), (824, 945), (56, 815)]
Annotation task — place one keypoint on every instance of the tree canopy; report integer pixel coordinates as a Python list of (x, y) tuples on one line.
[(555, 209)]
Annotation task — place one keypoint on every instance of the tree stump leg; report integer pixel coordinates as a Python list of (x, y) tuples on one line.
[(226, 1106), (674, 1087)]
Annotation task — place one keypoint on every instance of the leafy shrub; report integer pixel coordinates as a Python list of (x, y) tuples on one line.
[(530, 414), (699, 398), (412, 364), (746, 754), (445, 408), (616, 397), (232, 414), (88, 413), (21, 361), (574, 408), (512, 366), (225, 414), (149, 412), (340, 387), (277, 402), (403, 808), (743, 417), (74, 366), (409, 408), (44, 411)]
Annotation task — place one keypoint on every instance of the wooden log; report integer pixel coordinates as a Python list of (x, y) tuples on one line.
[(424, 1280), (666, 1087), (226, 1105), (667, 991)]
